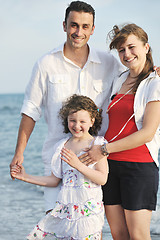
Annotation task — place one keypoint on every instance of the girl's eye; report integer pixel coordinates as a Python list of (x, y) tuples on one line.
[(72, 120)]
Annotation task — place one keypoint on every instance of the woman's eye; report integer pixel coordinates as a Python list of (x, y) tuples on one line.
[(121, 50)]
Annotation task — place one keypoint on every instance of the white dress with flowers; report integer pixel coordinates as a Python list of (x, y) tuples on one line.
[(79, 211)]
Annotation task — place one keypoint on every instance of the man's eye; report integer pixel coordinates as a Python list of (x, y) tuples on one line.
[(73, 25), (85, 26)]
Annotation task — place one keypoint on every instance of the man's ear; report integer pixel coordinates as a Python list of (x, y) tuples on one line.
[(64, 26), (92, 30)]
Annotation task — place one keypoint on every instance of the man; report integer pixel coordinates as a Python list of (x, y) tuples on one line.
[(71, 68)]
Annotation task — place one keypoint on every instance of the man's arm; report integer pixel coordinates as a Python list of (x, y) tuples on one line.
[(25, 129)]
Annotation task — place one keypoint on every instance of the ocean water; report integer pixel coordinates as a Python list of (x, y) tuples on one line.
[(22, 204)]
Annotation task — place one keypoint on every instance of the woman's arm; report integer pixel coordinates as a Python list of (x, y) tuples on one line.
[(151, 122), (98, 175), (45, 181)]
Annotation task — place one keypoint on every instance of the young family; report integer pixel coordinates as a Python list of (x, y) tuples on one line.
[(74, 83)]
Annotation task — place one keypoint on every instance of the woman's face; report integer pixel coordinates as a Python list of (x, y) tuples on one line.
[(133, 52)]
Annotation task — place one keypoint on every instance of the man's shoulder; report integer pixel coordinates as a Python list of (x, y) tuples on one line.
[(45, 58), (102, 54)]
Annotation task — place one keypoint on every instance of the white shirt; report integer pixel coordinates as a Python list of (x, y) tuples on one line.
[(54, 78), (148, 90)]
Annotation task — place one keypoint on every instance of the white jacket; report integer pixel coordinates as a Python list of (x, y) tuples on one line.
[(148, 90)]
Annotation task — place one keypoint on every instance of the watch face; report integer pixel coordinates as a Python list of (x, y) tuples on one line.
[(104, 150)]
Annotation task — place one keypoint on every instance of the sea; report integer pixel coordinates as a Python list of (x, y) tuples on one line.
[(22, 204)]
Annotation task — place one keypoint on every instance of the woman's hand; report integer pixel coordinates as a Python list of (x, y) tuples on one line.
[(157, 70), (92, 155)]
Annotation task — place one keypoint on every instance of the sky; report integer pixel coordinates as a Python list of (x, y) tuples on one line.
[(30, 28)]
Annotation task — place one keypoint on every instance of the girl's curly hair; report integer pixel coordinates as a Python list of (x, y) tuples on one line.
[(76, 103)]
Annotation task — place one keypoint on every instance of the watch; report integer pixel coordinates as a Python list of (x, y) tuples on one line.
[(104, 150)]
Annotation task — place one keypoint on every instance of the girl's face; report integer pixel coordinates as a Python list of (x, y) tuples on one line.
[(79, 123), (133, 52)]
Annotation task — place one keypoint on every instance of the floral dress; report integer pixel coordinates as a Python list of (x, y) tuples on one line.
[(79, 210)]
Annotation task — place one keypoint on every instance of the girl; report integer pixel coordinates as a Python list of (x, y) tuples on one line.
[(79, 210)]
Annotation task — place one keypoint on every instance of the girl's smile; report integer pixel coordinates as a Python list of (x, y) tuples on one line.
[(79, 123)]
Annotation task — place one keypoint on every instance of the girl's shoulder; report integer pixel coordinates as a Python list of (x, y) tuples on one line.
[(99, 140), (61, 142)]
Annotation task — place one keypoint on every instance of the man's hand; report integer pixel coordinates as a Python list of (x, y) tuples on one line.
[(18, 172), (25, 129), (92, 155), (17, 160), (158, 71)]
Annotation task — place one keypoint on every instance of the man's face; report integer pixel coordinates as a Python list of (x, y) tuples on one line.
[(79, 28)]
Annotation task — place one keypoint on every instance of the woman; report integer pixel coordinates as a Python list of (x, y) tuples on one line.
[(133, 137)]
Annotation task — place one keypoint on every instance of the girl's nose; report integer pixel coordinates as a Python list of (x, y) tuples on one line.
[(76, 125)]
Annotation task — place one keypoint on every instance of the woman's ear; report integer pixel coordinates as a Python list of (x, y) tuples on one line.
[(147, 47)]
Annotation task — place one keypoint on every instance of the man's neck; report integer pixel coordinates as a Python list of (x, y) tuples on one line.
[(78, 56)]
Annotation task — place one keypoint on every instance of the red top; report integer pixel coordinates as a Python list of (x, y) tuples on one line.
[(118, 116)]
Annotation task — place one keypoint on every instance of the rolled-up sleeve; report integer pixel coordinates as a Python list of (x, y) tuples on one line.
[(154, 90), (34, 94)]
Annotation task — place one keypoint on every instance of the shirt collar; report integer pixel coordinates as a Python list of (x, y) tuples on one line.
[(93, 56)]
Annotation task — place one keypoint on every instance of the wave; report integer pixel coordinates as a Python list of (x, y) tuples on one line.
[(10, 110)]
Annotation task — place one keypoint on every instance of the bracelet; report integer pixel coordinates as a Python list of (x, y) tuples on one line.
[(104, 150)]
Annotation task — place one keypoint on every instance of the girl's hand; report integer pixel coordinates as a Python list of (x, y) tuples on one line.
[(70, 157), (18, 172)]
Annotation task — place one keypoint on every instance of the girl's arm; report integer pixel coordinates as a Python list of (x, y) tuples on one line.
[(151, 122), (98, 175), (46, 181)]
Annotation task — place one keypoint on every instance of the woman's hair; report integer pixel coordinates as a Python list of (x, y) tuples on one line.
[(119, 36), (79, 6), (76, 103)]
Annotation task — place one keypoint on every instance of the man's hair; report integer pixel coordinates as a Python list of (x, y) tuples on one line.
[(80, 6)]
